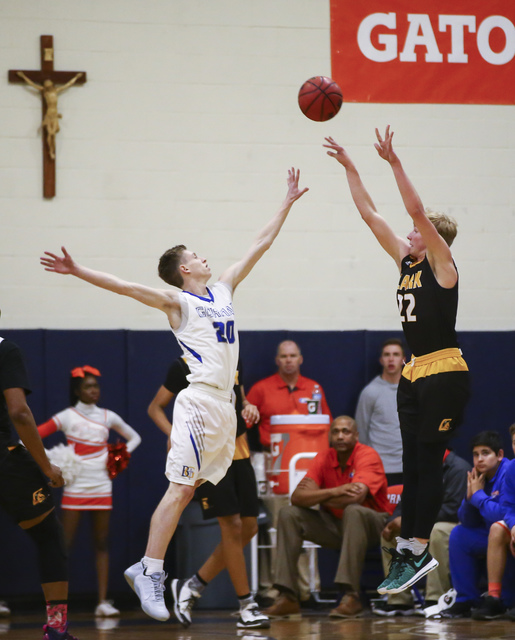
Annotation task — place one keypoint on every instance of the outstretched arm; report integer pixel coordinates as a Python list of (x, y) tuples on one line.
[(240, 270), (21, 75), (438, 251), (69, 83), (395, 246), (166, 301)]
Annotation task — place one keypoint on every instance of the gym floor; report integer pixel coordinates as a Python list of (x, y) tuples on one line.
[(218, 625)]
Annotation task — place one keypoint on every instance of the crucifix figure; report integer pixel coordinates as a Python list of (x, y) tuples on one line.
[(46, 81)]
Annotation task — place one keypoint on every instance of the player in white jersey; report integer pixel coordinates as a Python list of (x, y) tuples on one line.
[(204, 421)]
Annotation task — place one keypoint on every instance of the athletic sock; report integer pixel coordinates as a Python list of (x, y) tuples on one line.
[(246, 600), (152, 565), (57, 614), (402, 544), (417, 547), (494, 589), (196, 583)]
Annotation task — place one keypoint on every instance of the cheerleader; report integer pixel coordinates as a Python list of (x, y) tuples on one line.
[(86, 428)]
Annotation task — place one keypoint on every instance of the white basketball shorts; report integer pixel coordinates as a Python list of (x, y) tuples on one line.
[(203, 436)]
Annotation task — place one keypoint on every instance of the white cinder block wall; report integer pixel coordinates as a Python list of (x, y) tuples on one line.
[(184, 133)]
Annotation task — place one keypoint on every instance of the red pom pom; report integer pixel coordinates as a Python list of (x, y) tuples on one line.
[(117, 458)]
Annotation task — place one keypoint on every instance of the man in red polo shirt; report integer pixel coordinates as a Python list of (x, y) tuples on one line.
[(349, 483), (285, 392)]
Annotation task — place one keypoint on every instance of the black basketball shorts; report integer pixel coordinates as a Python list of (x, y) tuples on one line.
[(24, 490), (235, 494)]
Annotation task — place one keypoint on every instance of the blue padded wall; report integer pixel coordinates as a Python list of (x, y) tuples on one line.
[(133, 366)]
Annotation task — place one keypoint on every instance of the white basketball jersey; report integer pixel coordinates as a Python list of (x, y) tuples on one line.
[(208, 336)]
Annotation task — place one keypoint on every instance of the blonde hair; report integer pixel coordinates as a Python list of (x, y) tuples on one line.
[(446, 226)]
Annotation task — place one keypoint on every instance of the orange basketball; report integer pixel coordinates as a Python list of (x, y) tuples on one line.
[(320, 98)]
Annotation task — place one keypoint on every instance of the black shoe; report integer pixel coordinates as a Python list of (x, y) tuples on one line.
[(460, 609), (489, 609), (264, 601), (411, 570), (510, 614), (389, 610)]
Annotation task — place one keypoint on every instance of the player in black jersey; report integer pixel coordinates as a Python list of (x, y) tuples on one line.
[(434, 386), (26, 474)]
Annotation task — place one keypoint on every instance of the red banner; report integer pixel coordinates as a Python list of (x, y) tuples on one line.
[(424, 51)]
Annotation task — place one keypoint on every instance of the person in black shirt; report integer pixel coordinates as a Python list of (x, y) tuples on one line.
[(233, 501), (434, 386), (25, 477)]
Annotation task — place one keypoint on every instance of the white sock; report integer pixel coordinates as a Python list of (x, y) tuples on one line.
[(417, 547), (152, 565), (245, 602), (402, 544)]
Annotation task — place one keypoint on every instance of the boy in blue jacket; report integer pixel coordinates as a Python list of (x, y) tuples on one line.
[(500, 563), (480, 508)]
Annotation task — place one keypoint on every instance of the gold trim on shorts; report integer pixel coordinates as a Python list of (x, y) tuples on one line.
[(432, 363), (241, 451)]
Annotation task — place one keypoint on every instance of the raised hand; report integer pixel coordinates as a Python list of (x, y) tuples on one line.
[(294, 191), (337, 152), (384, 146), (58, 264)]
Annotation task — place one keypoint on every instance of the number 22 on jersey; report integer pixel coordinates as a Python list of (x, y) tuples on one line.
[(406, 302)]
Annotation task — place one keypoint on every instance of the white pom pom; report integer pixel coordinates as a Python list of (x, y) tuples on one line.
[(67, 460)]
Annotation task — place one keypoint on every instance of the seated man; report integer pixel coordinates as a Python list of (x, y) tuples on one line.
[(376, 413), (479, 510), (455, 471), (348, 482), (500, 563)]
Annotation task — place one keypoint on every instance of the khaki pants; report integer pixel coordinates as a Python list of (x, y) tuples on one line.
[(438, 580), (267, 557), (358, 530)]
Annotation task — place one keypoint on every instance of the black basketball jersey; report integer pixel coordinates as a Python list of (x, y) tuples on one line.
[(13, 374), (428, 311)]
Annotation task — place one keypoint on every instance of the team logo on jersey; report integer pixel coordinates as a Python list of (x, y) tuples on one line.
[(38, 497), (445, 424), (188, 472), (411, 282)]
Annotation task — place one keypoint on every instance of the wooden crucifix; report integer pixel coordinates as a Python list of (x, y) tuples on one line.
[(46, 81)]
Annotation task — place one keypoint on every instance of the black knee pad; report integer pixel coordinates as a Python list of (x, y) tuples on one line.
[(52, 557)]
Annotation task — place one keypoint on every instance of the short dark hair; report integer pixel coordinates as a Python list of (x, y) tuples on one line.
[(512, 430), (396, 341), (169, 263), (490, 439)]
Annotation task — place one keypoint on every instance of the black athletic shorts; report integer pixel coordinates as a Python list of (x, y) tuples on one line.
[(24, 490), (234, 494), (432, 407)]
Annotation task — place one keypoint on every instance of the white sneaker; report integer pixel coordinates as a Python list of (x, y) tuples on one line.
[(133, 571), (4, 609), (184, 600), (106, 610), (252, 617), (150, 590)]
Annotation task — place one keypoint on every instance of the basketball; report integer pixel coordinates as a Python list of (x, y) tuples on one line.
[(320, 98)]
